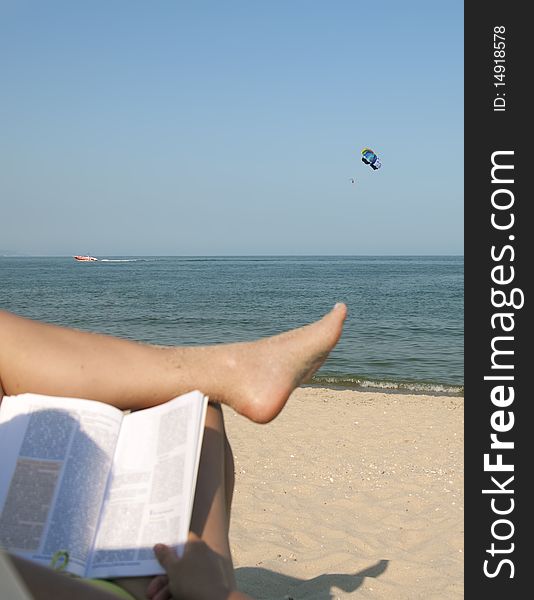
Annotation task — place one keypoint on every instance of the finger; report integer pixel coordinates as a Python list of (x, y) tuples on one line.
[(156, 585), (193, 537), (166, 556), (163, 594)]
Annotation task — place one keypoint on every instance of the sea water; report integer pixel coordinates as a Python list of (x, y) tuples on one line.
[(404, 329)]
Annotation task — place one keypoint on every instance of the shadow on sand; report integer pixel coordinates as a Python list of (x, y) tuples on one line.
[(268, 585)]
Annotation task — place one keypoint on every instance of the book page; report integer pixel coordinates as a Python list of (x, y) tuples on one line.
[(151, 489), (56, 457)]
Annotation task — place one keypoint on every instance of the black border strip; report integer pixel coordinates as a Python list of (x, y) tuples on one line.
[(489, 129)]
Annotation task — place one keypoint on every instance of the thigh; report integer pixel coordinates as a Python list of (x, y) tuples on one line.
[(47, 584)]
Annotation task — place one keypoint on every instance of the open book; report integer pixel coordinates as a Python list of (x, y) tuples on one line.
[(84, 478)]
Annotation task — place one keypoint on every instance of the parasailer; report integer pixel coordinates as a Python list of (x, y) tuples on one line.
[(371, 159)]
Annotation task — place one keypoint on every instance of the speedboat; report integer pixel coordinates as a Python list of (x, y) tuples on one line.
[(85, 258)]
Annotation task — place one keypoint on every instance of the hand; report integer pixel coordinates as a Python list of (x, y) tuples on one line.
[(201, 574)]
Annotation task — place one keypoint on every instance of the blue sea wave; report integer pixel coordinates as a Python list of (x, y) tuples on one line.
[(403, 332), (404, 387)]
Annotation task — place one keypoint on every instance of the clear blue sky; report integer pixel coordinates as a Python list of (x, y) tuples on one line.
[(230, 127)]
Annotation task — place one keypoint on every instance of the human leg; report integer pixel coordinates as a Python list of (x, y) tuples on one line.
[(255, 378), (210, 519), (46, 584)]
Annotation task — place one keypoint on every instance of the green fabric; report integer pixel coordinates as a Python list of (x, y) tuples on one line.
[(59, 562), (111, 587)]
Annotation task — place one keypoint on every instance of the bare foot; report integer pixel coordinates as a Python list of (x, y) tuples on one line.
[(260, 376), (255, 378)]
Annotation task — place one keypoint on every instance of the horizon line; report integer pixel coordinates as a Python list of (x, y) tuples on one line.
[(233, 255)]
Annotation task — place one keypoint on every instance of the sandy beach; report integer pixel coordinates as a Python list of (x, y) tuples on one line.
[(350, 494)]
